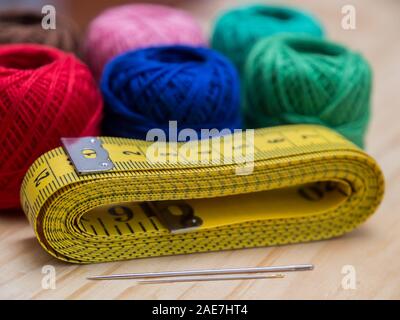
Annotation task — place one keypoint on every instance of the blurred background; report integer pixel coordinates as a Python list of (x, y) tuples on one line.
[(376, 35)]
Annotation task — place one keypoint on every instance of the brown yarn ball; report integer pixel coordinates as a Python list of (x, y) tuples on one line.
[(25, 26)]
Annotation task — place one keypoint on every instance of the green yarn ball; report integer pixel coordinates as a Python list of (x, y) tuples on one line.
[(300, 79), (237, 30)]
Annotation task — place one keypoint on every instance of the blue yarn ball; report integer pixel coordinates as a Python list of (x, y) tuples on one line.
[(145, 89)]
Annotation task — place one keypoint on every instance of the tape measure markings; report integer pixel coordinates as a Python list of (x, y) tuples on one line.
[(70, 213)]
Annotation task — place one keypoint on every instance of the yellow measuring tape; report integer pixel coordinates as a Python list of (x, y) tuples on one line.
[(308, 183)]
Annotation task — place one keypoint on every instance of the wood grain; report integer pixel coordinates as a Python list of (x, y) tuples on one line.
[(373, 249)]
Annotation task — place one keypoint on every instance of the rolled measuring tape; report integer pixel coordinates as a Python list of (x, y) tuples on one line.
[(102, 199)]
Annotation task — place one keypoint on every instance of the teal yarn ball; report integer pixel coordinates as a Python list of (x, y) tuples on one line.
[(237, 30), (300, 79)]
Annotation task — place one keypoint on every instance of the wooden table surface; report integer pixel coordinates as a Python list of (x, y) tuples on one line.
[(373, 249)]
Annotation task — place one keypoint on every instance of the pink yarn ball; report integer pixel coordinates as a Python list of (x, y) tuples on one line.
[(135, 26)]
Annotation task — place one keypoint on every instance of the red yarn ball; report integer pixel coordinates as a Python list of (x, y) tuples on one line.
[(45, 94)]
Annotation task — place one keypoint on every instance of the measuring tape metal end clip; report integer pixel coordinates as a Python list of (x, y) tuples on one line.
[(87, 154)]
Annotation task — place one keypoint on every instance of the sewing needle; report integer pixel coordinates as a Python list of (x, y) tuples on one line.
[(203, 272), (194, 279)]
